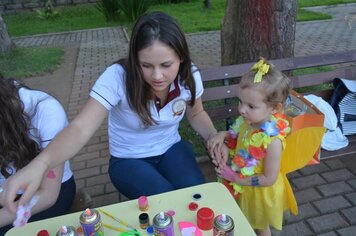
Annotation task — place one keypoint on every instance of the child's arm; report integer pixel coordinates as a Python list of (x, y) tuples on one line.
[(48, 194), (271, 169)]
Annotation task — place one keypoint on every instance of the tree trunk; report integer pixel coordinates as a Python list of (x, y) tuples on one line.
[(6, 43), (258, 28)]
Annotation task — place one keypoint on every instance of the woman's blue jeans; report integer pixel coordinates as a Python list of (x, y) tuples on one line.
[(177, 168)]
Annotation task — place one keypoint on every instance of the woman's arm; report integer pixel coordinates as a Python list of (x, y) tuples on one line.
[(200, 121), (65, 145), (48, 194)]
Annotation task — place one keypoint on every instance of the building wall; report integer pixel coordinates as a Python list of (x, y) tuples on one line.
[(12, 6)]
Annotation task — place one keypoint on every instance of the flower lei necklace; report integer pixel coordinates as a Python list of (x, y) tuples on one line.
[(246, 159)]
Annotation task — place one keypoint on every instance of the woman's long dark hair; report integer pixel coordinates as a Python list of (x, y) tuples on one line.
[(149, 28), (15, 144)]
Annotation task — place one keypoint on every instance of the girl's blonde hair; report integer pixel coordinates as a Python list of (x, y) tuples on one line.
[(273, 84)]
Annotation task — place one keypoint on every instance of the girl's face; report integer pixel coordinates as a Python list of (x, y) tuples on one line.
[(252, 106), (160, 65)]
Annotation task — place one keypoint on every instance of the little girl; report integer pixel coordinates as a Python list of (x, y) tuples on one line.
[(254, 145), (29, 121)]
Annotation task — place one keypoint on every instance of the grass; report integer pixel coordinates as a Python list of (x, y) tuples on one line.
[(312, 3), (192, 16), (69, 19), (27, 62)]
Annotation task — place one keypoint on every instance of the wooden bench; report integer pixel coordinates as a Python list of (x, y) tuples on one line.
[(220, 93)]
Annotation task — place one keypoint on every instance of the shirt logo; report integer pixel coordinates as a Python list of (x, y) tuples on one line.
[(178, 107)]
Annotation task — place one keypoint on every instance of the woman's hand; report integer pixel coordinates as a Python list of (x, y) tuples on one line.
[(29, 179), (215, 142), (221, 158)]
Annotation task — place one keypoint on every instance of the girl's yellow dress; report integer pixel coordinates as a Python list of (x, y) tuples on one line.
[(264, 206)]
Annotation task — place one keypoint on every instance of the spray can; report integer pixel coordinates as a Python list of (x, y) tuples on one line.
[(163, 225), (91, 223), (67, 231), (223, 226)]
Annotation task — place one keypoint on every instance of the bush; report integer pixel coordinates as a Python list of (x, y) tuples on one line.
[(171, 1), (109, 8), (133, 8), (48, 11)]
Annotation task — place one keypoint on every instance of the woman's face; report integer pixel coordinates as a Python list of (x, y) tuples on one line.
[(160, 65)]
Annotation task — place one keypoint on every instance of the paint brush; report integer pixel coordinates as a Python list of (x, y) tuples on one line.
[(117, 219), (120, 229)]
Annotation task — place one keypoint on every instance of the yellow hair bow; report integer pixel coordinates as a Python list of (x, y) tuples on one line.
[(262, 68)]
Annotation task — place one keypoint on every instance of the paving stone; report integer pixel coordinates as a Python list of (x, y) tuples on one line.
[(296, 229), (350, 214), (337, 175), (348, 231), (307, 195), (308, 181), (351, 197), (314, 169), (331, 204), (334, 163), (102, 200), (331, 233), (294, 174), (350, 162), (325, 223), (305, 211), (334, 188), (352, 183)]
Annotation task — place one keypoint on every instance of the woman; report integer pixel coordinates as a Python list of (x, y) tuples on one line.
[(146, 96)]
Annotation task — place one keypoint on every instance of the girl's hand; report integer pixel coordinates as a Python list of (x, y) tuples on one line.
[(228, 174), (29, 179)]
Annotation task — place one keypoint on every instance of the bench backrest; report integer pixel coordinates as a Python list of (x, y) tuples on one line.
[(220, 82)]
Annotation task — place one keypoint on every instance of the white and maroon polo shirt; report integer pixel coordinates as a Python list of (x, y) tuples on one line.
[(128, 138)]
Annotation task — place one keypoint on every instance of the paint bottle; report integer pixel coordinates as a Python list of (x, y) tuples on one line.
[(143, 203), (205, 218), (91, 223), (43, 232), (223, 226), (144, 220), (163, 225), (67, 231)]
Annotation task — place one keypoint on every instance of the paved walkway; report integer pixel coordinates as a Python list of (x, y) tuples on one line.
[(326, 193)]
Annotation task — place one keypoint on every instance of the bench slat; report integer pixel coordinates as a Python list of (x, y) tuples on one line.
[(234, 71), (215, 93), (322, 77), (222, 112), (349, 150)]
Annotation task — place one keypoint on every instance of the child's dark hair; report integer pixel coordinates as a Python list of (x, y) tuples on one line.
[(274, 84), (15, 144)]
